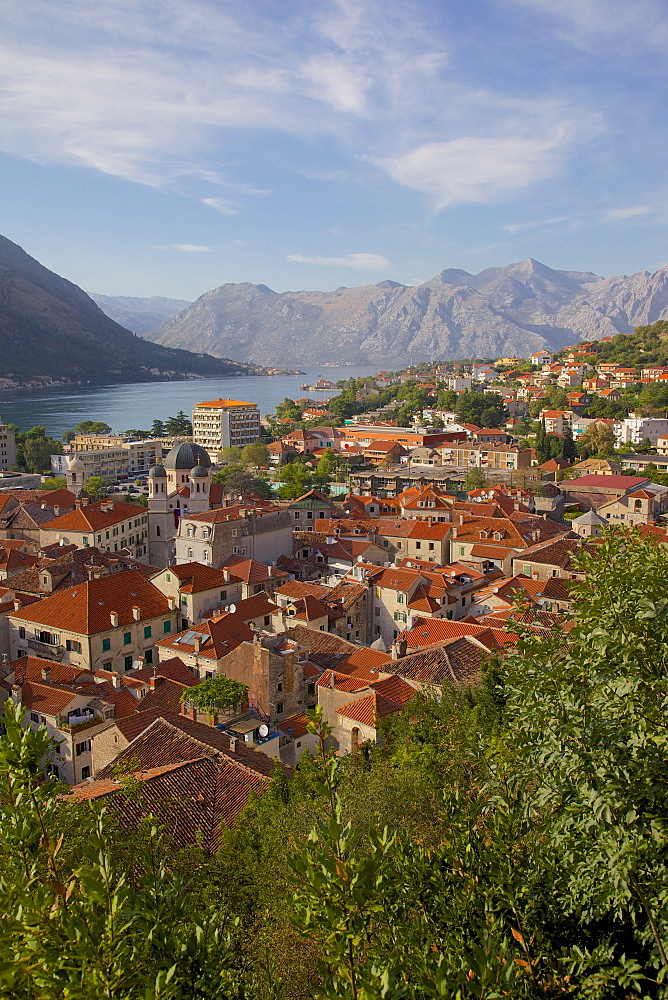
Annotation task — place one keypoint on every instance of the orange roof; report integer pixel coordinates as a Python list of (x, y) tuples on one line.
[(86, 607), (223, 403), (95, 516), (369, 709)]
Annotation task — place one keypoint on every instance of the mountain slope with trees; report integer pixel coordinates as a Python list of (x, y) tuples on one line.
[(503, 311), (49, 326)]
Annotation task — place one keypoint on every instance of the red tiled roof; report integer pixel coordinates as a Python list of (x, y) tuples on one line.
[(252, 571), (369, 709), (86, 607), (95, 516), (196, 577)]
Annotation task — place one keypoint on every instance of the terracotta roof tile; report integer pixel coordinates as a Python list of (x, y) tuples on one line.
[(95, 516), (86, 607)]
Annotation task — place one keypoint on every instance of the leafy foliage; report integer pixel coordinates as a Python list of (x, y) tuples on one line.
[(215, 694)]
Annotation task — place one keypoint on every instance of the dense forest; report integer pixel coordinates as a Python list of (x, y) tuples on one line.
[(508, 840)]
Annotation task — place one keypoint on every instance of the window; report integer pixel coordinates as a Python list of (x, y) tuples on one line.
[(34, 717), (127, 638), (400, 598), (82, 747), (168, 577), (418, 545), (279, 687), (85, 772), (461, 550), (106, 645), (166, 627), (85, 539), (107, 665), (128, 663), (148, 655), (147, 631), (22, 632), (279, 708), (223, 595), (431, 546)]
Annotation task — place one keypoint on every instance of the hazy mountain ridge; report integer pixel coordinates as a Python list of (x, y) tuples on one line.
[(140, 315), (513, 310), (50, 326)]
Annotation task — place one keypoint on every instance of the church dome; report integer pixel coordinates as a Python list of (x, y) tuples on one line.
[(75, 465), (157, 472), (199, 472), (186, 456)]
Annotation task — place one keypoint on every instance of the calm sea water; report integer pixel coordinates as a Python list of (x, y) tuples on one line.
[(136, 406)]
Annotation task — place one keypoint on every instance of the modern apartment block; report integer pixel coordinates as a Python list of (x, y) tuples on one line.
[(225, 423)]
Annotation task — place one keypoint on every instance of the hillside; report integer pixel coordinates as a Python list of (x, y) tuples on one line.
[(513, 310), (49, 326), (137, 314)]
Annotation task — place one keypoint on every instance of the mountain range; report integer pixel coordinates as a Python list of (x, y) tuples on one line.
[(137, 314), (51, 327), (502, 311)]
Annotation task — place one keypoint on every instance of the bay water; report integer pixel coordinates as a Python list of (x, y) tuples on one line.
[(137, 405)]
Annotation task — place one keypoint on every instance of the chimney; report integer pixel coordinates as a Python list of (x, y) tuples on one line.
[(136, 613), (17, 604), (154, 681), (233, 744), (270, 572), (116, 680), (331, 679), (226, 575), (46, 674), (114, 618), (56, 511), (17, 693), (172, 603), (398, 649), (43, 506), (197, 642)]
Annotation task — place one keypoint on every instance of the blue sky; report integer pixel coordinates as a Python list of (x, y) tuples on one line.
[(164, 147)]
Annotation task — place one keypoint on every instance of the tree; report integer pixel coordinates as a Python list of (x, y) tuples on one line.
[(99, 930), (215, 694), (97, 488), (92, 427), (36, 450), (475, 479), (566, 791), (158, 429), (68, 436), (180, 425), (54, 483), (598, 439), (471, 406), (231, 456), (255, 455)]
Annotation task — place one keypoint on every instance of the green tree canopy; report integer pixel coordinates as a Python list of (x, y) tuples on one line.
[(54, 483), (97, 488), (215, 694), (255, 455), (92, 427)]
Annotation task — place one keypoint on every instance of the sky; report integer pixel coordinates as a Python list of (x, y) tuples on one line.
[(165, 147)]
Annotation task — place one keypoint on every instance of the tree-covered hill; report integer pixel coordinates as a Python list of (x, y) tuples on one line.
[(49, 326)]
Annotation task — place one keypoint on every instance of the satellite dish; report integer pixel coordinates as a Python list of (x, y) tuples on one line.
[(232, 608), (263, 730)]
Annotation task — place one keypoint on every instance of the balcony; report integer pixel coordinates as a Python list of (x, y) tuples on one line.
[(49, 650)]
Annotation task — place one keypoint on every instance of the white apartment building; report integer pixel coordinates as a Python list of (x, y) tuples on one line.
[(635, 430), (225, 423)]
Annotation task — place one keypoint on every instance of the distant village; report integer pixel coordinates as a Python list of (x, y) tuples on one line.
[(373, 545)]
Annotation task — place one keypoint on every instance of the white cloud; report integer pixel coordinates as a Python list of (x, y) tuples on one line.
[(478, 169), (158, 94), (358, 261), (621, 214), (222, 206), (186, 248)]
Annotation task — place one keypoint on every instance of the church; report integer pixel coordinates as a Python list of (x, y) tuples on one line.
[(180, 486)]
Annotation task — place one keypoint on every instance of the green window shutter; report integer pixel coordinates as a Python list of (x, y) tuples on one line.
[(106, 645), (147, 631), (127, 638)]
